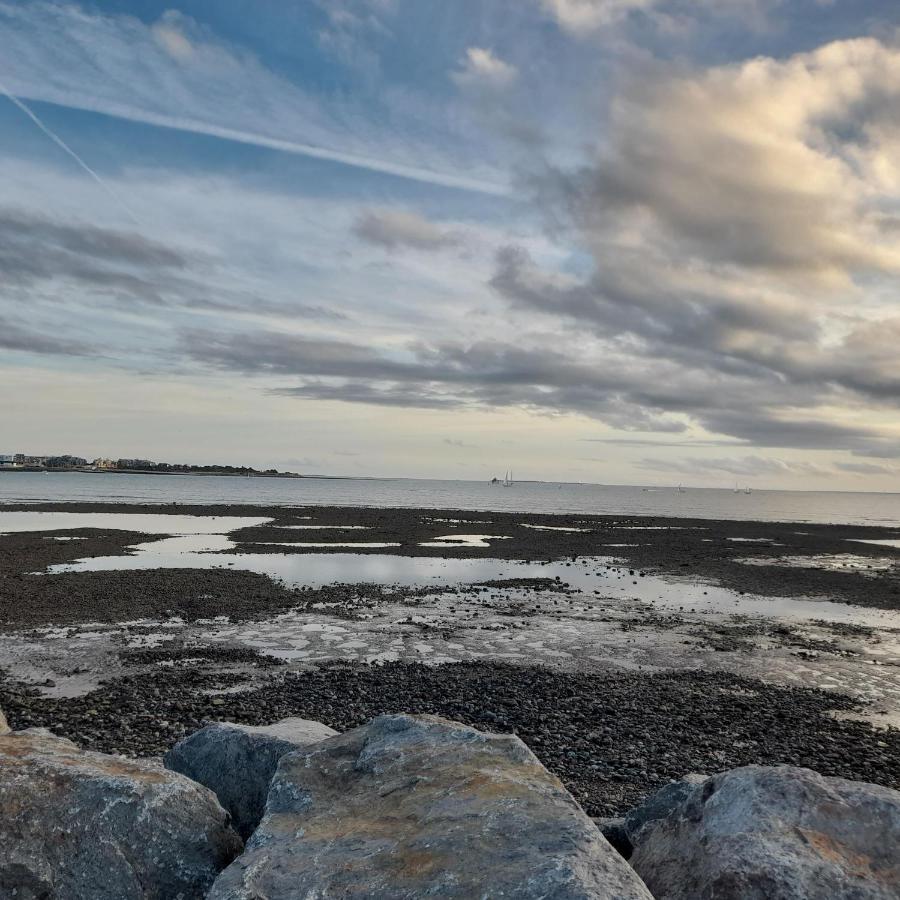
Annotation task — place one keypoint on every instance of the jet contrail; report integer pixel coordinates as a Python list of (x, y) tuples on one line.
[(356, 160), (64, 146)]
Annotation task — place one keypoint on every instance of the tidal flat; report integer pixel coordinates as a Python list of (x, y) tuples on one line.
[(624, 650)]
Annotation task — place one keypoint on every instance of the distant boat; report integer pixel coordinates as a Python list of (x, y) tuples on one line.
[(507, 482), (680, 489), (747, 490)]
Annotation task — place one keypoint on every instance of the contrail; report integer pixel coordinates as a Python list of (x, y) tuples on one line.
[(356, 160), (64, 146)]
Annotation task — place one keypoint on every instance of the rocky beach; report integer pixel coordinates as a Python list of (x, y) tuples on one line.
[(624, 652)]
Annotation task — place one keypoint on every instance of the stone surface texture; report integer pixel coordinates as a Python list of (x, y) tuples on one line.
[(415, 806), (775, 833), (4, 725), (659, 804), (237, 762), (77, 825)]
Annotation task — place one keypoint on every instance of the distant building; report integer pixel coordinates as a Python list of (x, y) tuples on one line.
[(104, 464), (7, 461)]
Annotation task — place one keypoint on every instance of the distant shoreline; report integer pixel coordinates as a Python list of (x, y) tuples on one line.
[(91, 471)]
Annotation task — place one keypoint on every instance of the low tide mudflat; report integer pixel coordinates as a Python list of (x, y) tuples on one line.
[(625, 650)]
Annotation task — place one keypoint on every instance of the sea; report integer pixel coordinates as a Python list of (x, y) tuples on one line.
[(824, 507)]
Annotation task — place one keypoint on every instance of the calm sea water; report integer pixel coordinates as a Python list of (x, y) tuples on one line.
[(526, 497)]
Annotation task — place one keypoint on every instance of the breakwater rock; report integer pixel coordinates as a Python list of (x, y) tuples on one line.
[(237, 762), (75, 824), (414, 806), (774, 833)]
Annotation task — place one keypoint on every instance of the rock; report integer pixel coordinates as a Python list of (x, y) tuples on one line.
[(615, 832), (75, 824), (780, 833), (237, 762), (4, 726), (660, 804), (415, 806)]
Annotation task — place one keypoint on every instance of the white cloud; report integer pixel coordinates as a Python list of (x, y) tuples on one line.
[(169, 34), (581, 16), (739, 466), (481, 68)]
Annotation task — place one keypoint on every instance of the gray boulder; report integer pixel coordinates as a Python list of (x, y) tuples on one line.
[(659, 805), (237, 762), (4, 725), (781, 833), (415, 806), (75, 824)]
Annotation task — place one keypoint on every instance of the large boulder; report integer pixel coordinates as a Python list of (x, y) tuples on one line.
[(659, 805), (75, 824), (237, 762), (415, 806), (782, 833)]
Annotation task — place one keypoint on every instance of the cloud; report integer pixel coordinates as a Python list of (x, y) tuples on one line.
[(772, 175), (481, 68), (746, 466), (650, 442), (860, 468), (39, 254), (745, 257), (393, 228), (623, 393), (169, 32), (193, 81), (14, 336), (583, 16)]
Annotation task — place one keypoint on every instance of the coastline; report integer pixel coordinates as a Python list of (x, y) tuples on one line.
[(88, 470)]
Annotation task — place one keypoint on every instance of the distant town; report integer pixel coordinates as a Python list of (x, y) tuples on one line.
[(67, 463)]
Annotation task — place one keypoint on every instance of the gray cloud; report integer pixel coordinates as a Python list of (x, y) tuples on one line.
[(643, 396), (123, 266), (394, 228), (17, 337)]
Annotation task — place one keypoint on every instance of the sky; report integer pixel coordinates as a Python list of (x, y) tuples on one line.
[(618, 241)]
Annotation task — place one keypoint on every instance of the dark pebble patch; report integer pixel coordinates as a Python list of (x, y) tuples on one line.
[(612, 737)]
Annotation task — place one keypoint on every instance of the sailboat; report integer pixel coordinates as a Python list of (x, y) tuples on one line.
[(680, 489), (507, 482)]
